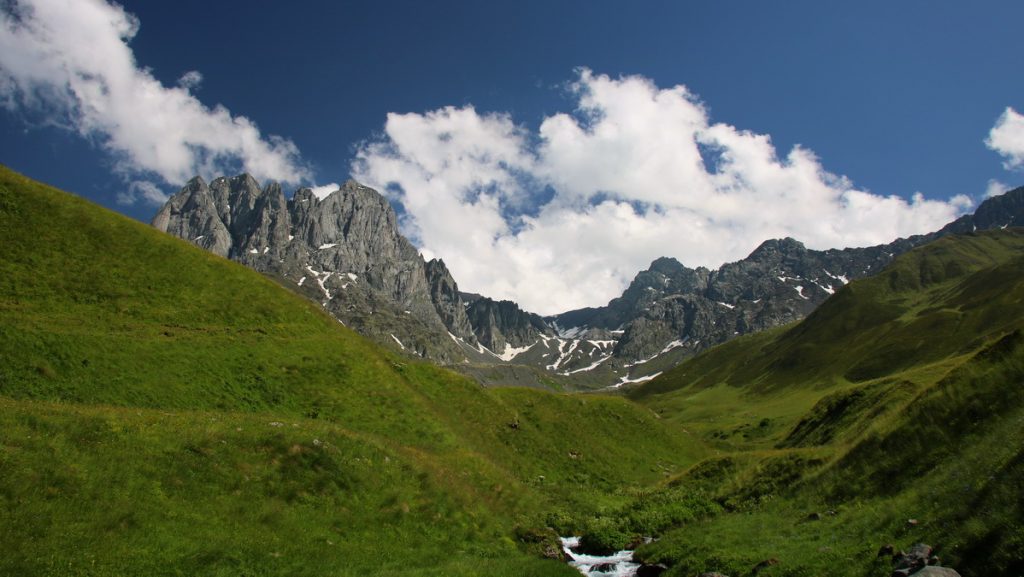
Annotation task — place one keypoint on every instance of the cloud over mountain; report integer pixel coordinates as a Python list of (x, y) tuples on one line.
[(564, 216), (1007, 138), (70, 62)]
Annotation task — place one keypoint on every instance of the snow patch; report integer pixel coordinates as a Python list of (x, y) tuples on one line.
[(253, 251), (800, 291), (484, 350), (727, 305), (512, 352), (626, 380), (670, 346), (398, 341), (328, 245), (266, 249), (321, 281), (200, 237), (569, 333), (562, 353), (302, 280), (589, 368), (839, 277)]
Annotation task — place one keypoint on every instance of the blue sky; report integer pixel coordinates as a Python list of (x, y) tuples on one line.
[(546, 150)]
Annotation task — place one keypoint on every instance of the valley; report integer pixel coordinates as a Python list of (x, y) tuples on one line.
[(167, 411)]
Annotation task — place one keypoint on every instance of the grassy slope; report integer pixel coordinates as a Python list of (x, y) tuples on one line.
[(168, 412), (897, 399)]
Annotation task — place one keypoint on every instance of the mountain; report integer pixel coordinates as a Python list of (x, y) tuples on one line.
[(346, 252), (670, 312), (168, 412), (343, 251)]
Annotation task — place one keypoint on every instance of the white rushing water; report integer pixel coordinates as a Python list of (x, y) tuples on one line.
[(618, 565)]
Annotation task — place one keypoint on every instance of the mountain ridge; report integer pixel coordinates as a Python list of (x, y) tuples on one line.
[(372, 278)]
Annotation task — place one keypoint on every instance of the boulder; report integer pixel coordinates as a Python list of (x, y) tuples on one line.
[(650, 570), (933, 571), (763, 565), (910, 563)]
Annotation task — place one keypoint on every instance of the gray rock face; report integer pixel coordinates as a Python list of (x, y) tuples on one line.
[(780, 282), (344, 251), (498, 324), (444, 292), (192, 214), (935, 571), (996, 212)]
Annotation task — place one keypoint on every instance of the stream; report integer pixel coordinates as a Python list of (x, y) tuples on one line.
[(618, 565)]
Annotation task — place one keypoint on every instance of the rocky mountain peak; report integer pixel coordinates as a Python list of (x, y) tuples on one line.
[(501, 324), (444, 292), (666, 265), (776, 248), (1000, 211)]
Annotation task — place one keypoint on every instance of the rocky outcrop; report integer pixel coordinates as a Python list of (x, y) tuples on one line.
[(192, 214), (997, 212), (498, 324), (919, 561), (343, 250), (444, 292)]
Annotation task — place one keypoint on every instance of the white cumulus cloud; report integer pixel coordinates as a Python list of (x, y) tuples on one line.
[(325, 190), (995, 188), (1007, 138), (565, 216), (70, 61), (142, 191)]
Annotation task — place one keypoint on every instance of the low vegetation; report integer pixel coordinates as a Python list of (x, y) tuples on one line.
[(891, 415), (167, 412)]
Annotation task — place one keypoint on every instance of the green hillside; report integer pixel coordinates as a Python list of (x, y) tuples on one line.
[(168, 412), (892, 415)]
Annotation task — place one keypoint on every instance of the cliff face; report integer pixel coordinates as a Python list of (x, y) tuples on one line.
[(501, 324), (343, 250), (444, 293)]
